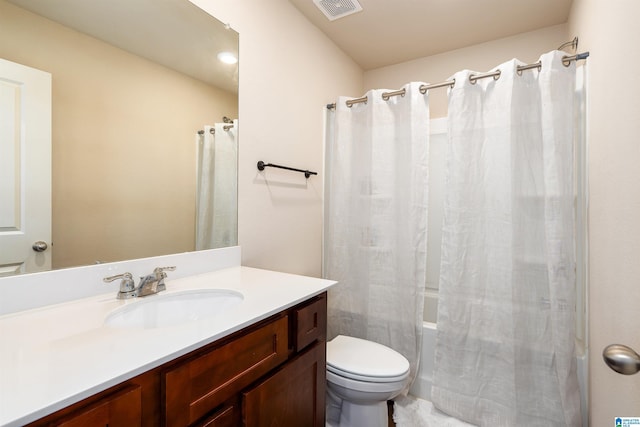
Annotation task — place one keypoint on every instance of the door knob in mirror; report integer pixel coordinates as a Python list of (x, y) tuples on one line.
[(40, 246)]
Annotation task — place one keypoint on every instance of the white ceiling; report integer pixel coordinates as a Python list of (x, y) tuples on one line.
[(392, 31)]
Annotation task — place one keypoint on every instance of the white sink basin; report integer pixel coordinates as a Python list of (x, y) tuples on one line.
[(162, 310)]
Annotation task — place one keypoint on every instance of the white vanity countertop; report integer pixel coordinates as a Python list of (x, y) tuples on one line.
[(54, 356)]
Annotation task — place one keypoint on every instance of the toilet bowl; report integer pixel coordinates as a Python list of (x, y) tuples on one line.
[(361, 376)]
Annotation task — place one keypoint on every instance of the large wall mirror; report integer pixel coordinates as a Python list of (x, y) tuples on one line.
[(133, 83)]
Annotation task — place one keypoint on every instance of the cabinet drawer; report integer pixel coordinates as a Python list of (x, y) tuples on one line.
[(123, 409), (311, 323), (196, 387)]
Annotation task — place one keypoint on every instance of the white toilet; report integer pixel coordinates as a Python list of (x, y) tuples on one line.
[(361, 376)]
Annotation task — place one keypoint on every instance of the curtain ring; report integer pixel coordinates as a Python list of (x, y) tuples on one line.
[(362, 100), (474, 78), (387, 95)]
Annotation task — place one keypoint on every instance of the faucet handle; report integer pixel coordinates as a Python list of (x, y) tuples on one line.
[(159, 270), (160, 274), (127, 285), (126, 278)]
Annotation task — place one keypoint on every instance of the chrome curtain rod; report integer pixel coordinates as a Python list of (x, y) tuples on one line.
[(473, 78)]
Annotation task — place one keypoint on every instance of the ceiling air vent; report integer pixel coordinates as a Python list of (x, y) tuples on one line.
[(334, 9)]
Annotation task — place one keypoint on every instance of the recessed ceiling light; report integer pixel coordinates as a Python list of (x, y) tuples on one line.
[(227, 57)]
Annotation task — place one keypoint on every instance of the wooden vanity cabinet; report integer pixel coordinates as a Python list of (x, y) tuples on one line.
[(294, 395), (270, 373), (132, 403), (120, 408)]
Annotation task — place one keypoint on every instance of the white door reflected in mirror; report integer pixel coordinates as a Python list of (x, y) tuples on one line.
[(25, 169)]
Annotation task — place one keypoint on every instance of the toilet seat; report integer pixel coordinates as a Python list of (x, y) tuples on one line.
[(362, 360), (366, 378)]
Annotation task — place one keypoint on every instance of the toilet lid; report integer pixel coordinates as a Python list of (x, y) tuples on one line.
[(365, 360)]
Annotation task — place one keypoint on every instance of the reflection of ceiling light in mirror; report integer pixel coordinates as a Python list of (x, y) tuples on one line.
[(227, 57)]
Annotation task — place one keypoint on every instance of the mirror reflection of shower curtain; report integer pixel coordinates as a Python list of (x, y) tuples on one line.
[(216, 187)]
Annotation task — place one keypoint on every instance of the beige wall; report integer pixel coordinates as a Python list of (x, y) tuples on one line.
[(123, 142), (610, 31), (527, 47), (289, 70)]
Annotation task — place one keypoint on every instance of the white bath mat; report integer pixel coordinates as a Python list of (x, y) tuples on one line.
[(410, 411)]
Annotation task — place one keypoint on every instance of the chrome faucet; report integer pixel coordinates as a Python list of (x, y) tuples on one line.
[(149, 284), (154, 282)]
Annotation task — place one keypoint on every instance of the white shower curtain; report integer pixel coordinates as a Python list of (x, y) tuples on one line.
[(506, 314), (216, 187), (376, 219)]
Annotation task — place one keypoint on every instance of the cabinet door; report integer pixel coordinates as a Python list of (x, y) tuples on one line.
[(122, 409), (293, 396)]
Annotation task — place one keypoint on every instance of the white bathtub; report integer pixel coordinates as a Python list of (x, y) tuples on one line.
[(422, 385)]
